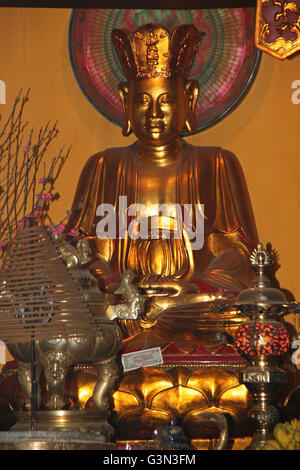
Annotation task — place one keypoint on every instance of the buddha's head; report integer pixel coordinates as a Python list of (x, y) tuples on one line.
[(158, 101)]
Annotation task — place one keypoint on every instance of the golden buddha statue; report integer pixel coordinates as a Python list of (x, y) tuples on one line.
[(162, 171), (177, 215)]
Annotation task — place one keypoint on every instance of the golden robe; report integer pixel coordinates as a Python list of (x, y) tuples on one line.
[(201, 175)]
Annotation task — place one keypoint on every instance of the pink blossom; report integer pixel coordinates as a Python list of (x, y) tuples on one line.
[(25, 222), (73, 233), (1, 245), (46, 197), (42, 180), (35, 215), (58, 229), (26, 149), (21, 223)]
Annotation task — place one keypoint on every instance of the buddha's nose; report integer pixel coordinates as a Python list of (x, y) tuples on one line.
[(155, 111)]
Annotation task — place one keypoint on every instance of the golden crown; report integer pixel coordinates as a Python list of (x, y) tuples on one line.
[(151, 51)]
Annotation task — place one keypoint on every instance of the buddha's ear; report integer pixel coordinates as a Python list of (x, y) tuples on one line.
[(191, 92), (123, 91)]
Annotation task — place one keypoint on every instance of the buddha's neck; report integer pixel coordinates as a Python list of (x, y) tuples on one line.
[(160, 156)]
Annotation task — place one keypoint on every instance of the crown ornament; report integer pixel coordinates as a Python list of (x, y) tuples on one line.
[(152, 52), (260, 256)]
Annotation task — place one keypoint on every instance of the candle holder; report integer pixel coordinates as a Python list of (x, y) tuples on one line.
[(264, 340)]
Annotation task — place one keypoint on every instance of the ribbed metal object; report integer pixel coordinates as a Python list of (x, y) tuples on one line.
[(38, 298), (52, 440)]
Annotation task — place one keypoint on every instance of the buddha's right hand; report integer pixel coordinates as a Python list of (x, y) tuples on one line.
[(165, 286), (201, 302)]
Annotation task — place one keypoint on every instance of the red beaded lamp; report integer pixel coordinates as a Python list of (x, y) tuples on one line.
[(262, 334), (263, 340), (266, 337)]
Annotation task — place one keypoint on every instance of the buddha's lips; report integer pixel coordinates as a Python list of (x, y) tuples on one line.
[(155, 125)]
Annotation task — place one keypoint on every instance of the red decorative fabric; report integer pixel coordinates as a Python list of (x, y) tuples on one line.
[(225, 353)]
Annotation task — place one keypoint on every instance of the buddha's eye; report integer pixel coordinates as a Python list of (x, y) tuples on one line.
[(167, 99), (142, 98)]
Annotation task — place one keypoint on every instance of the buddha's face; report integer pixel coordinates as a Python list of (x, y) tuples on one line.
[(157, 109)]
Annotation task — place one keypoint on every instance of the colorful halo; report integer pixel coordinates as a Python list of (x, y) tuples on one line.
[(225, 65)]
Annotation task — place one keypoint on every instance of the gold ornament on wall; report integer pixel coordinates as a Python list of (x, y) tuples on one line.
[(277, 28)]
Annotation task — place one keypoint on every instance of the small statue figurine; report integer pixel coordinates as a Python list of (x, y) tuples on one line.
[(135, 301), (72, 256)]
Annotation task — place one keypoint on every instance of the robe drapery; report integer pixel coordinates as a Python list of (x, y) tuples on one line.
[(203, 175)]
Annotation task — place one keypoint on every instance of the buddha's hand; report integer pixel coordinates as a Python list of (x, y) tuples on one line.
[(162, 285), (201, 302)]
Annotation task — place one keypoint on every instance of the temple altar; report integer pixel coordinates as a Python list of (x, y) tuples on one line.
[(183, 286)]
